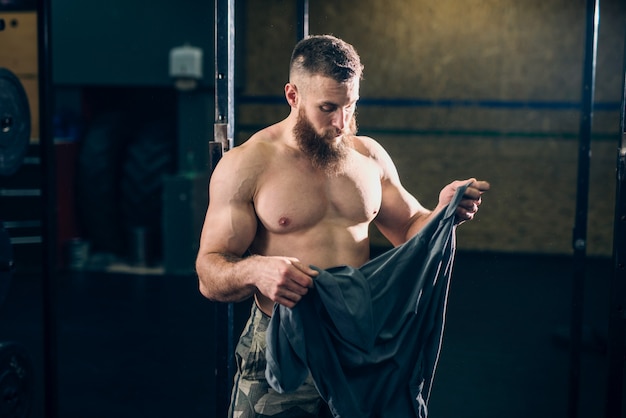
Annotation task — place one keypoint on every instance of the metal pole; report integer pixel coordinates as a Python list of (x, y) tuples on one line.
[(617, 293), (225, 72), (224, 129), (579, 240), (302, 19), (46, 152)]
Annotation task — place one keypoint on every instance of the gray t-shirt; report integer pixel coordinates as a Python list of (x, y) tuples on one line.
[(370, 337)]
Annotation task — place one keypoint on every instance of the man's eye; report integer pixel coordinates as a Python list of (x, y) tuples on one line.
[(328, 109)]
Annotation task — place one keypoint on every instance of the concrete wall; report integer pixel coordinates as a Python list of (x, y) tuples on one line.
[(480, 88)]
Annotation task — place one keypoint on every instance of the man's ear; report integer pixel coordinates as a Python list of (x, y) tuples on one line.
[(291, 93)]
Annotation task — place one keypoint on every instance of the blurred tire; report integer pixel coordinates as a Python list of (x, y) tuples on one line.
[(149, 158), (97, 180)]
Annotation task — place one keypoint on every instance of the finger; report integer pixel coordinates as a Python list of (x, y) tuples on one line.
[(298, 281), (303, 275), (470, 204), (467, 209), (305, 269), (481, 185), (288, 298), (295, 280), (296, 288), (285, 302), (472, 193), (463, 214)]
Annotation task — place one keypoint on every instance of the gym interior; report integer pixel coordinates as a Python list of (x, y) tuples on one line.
[(103, 201)]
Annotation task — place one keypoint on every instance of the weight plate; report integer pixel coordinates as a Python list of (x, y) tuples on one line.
[(14, 123), (16, 381)]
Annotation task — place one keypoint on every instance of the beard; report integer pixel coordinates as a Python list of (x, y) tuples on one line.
[(324, 151)]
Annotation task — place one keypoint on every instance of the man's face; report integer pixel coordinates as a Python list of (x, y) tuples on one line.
[(326, 121)]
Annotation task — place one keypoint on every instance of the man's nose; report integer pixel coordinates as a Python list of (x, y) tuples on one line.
[(339, 119)]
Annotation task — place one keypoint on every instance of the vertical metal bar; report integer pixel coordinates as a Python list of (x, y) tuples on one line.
[(225, 68), (46, 149), (302, 17), (224, 129), (579, 240), (223, 326), (617, 293)]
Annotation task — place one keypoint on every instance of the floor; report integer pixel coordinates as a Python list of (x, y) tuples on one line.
[(143, 345)]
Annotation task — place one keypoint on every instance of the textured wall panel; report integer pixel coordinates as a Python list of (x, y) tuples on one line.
[(524, 59)]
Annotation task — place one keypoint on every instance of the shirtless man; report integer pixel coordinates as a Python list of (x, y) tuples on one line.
[(303, 192)]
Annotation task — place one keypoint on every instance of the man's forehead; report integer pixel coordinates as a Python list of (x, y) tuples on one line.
[(327, 89)]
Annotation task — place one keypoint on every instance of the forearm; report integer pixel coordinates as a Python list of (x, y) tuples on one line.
[(225, 277), (420, 219)]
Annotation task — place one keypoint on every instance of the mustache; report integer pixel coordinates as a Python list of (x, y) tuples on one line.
[(347, 132)]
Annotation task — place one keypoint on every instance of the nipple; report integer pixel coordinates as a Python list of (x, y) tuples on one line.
[(283, 221)]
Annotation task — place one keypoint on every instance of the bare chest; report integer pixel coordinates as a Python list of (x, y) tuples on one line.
[(297, 198)]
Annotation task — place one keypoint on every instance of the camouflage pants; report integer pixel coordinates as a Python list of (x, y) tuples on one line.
[(252, 395)]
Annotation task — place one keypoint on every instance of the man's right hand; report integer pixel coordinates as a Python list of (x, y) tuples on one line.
[(284, 280)]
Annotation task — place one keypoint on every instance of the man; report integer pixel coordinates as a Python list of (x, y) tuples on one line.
[(303, 192)]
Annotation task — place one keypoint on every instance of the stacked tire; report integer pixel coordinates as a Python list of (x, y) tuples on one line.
[(121, 168)]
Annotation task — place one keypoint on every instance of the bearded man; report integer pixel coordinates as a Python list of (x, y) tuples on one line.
[(298, 193)]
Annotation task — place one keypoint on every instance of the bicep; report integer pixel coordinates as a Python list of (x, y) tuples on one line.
[(230, 222), (228, 228), (399, 209)]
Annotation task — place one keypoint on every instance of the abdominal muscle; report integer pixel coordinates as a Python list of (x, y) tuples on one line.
[(323, 246)]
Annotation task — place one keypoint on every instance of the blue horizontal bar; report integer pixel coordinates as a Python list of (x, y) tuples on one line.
[(449, 103), (599, 136)]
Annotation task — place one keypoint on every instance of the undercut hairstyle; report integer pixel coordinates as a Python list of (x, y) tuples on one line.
[(327, 56)]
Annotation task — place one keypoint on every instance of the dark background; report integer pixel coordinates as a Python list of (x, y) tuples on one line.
[(481, 88)]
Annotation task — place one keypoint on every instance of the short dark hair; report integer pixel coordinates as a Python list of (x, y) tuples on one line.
[(328, 56)]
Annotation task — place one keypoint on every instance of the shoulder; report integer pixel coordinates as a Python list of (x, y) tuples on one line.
[(249, 157), (372, 149), (240, 168), (369, 147)]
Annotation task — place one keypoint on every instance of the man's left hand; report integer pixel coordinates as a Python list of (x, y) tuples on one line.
[(472, 198)]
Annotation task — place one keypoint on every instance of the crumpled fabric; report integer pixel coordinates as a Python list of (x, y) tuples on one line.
[(370, 336)]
